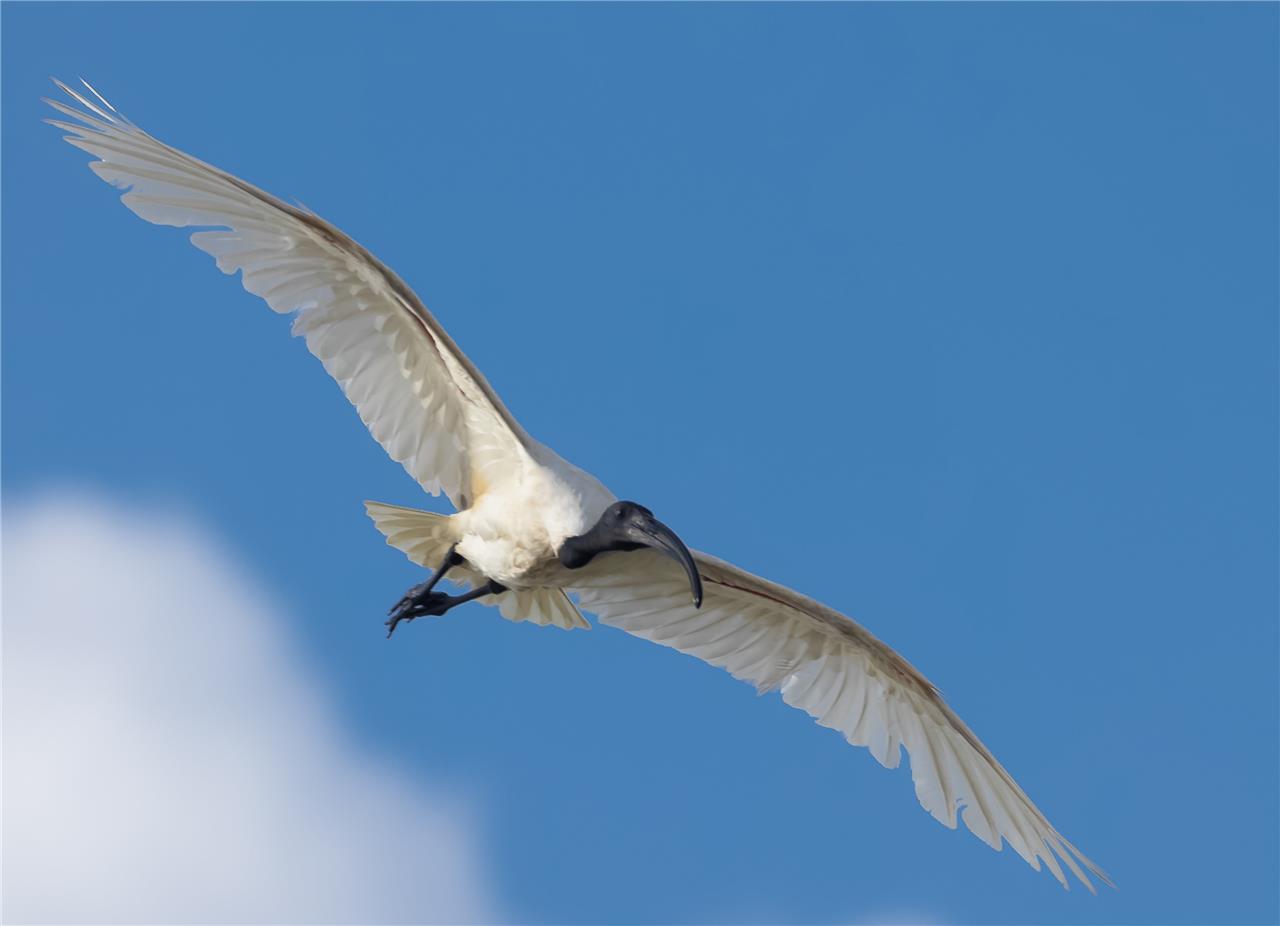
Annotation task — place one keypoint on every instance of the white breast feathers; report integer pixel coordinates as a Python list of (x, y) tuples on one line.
[(513, 531)]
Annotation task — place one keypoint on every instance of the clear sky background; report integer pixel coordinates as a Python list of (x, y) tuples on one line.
[(976, 306)]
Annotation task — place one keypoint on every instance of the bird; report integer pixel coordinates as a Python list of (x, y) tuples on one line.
[(532, 534)]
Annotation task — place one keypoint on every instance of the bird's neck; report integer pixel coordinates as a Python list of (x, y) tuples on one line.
[(576, 552)]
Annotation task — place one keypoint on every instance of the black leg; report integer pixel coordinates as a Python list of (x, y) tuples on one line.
[(435, 604), (419, 592)]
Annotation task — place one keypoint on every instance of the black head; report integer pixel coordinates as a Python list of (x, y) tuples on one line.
[(629, 526)]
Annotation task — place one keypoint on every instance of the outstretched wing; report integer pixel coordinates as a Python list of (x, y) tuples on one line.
[(839, 674), (418, 394)]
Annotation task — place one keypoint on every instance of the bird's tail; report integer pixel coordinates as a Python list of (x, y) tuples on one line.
[(425, 538), (422, 536)]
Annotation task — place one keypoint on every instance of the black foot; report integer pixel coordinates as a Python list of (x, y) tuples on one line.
[(422, 602), (412, 596), (418, 602)]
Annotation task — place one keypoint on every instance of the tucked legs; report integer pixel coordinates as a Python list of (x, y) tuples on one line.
[(421, 601)]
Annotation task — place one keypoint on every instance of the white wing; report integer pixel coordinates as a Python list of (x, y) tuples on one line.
[(838, 673), (418, 394)]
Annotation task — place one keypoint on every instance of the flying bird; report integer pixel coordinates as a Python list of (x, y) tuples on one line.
[(532, 533)]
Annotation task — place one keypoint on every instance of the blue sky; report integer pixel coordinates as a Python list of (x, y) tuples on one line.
[(977, 304)]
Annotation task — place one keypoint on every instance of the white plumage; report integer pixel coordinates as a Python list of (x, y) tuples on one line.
[(517, 501)]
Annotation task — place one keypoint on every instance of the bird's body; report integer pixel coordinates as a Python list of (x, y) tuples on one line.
[(531, 530), (513, 530)]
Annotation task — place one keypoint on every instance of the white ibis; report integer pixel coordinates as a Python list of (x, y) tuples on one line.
[(531, 530)]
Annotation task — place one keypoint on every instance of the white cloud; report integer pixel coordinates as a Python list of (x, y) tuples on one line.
[(167, 758)]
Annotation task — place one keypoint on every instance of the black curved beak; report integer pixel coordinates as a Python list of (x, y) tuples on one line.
[(648, 531)]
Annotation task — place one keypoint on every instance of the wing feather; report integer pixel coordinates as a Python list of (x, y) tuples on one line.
[(418, 394), (842, 676)]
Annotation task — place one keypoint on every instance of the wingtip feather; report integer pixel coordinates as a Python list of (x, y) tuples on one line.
[(103, 100)]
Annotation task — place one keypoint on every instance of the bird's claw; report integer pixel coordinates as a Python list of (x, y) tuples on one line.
[(409, 597), (417, 603)]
